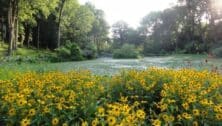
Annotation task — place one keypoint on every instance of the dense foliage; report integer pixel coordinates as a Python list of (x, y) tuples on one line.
[(69, 52), (217, 52), (153, 96), (190, 26), (50, 24), (126, 52)]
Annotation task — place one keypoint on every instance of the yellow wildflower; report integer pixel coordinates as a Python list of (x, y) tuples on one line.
[(219, 116), (84, 123), (156, 122), (65, 124), (111, 120), (95, 122), (195, 123), (11, 112), (101, 111), (196, 112), (55, 121), (140, 114), (25, 122), (186, 116), (32, 112)]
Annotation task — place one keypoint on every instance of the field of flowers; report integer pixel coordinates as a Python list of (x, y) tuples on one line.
[(149, 97)]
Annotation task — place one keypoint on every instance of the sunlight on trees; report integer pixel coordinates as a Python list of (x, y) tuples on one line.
[(190, 26)]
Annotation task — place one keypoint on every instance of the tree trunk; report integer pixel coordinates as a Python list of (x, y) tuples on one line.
[(16, 35), (59, 23), (38, 42), (59, 37), (212, 22), (27, 35), (4, 31), (1, 32), (12, 15), (11, 27)]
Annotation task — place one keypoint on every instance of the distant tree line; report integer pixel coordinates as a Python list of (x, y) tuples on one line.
[(191, 26), (51, 24)]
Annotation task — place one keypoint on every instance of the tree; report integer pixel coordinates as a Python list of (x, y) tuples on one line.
[(149, 30), (181, 27), (123, 34), (77, 24), (99, 32), (25, 11), (32, 13), (61, 6), (134, 37), (3, 19), (12, 17), (199, 24), (120, 31), (149, 23)]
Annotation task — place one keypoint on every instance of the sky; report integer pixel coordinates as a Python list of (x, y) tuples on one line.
[(130, 11)]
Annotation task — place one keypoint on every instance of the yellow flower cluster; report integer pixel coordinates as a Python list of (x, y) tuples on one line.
[(119, 114), (150, 97), (191, 97), (185, 96), (46, 99)]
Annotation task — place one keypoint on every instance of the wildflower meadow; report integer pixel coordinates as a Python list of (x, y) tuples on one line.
[(131, 98)]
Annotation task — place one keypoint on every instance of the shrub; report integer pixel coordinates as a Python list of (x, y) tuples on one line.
[(127, 51), (63, 52), (190, 47), (75, 52), (151, 48), (22, 59), (48, 57), (69, 52), (217, 52), (90, 51)]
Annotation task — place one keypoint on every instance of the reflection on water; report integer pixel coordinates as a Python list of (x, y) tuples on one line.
[(110, 66)]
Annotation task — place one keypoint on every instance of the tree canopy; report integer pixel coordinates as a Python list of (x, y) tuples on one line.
[(191, 26), (51, 23)]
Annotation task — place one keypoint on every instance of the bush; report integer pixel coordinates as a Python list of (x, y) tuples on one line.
[(69, 52), (151, 48), (75, 52), (217, 52), (63, 52), (127, 51), (23, 59), (48, 57), (90, 51)]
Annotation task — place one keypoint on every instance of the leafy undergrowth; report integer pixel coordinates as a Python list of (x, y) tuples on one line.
[(3, 48), (150, 97), (25, 55)]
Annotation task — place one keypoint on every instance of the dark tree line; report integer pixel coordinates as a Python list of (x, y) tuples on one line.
[(50, 24), (192, 26)]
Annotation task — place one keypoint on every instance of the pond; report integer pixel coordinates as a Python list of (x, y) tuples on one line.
[(109, 66)]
